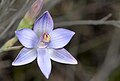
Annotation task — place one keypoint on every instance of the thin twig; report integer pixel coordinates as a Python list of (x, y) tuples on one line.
[(13, 48), (106, 17), (86, 22), (10, 48)]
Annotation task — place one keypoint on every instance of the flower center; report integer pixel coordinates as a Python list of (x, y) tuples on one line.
[(46, 37), (45, 40)]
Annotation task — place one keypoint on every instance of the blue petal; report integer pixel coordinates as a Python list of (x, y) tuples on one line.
[(27, 37), (62, 56), (44, 24), (60, 37), (44, 62), (24, 57)]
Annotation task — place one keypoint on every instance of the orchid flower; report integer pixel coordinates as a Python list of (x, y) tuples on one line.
[(45, 44)]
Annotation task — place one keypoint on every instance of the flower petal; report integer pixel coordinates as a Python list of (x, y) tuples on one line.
[(44, 24), (44, 62), (24, 57), (60, 37), (27, 37), (62, 56)]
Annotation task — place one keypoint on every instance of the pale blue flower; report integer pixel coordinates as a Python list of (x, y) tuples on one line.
[(44, 43)]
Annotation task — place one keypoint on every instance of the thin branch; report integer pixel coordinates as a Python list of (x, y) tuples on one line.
[(10, 48), (106, 17), (86, 22), (103, 21)]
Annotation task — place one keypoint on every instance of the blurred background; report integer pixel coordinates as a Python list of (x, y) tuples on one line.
[(96, 47)]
